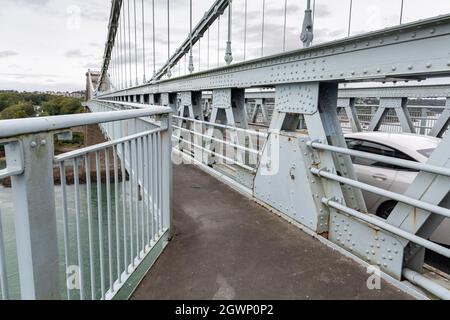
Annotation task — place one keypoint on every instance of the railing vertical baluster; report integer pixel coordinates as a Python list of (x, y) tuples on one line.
[(116, 207), (3, 275), (62, 170), (130, 171), (100, 222), (87, 160), (136, 218), (155, 187), (150, 184), (142, 225), (124, 208), (78, 225), (147, 188), (108, 204)]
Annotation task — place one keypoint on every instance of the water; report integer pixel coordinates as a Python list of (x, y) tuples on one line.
[(7, 215)]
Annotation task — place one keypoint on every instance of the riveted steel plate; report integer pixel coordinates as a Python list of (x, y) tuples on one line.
[(297, 98), (371, 244), (343, 102), (286, 183), (186, 98), (221, 98), (391, 103), (164, 99)]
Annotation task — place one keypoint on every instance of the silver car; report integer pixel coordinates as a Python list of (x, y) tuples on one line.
[(390, 177)]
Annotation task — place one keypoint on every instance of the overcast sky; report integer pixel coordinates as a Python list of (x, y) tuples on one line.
[(50, 44)]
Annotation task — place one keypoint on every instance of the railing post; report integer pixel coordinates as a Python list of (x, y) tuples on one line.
[(35, 220), (166, 147)]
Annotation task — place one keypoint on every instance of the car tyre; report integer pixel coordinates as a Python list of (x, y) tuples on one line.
[(385, 209)]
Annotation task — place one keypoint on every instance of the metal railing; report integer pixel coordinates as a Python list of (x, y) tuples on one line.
[(423, 118), (230, 145), (85, 220), (378, 222)]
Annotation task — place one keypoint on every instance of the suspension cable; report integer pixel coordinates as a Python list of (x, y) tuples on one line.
[(191, 58), (350, 18), (207, 60), (154, 48), (125, 53), (143, 40), (245, 29), (228, 52), (262, 31), (135, 44), (120, 54), (218, 40), (168, 39), (199, 53), (401, 12), (114, 66), (314, 12), (129, 43), (284, 26)]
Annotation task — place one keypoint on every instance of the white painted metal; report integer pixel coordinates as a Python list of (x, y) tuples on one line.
[(374, 220), (385, 193), (15, 127), (395, 161), (429, 285)]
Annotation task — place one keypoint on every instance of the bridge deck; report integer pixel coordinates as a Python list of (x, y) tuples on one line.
[(228, 247)]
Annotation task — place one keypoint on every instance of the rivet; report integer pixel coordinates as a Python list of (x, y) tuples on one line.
[(33, 144), (43, 142)]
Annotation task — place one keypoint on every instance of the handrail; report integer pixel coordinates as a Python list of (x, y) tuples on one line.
[(15, 127), (382, 192), (256, 133), (395, 161), (388, 227), (101, 146), (220, 141)]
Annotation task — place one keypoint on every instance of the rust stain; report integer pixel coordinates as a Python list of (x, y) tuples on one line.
[(414, 218)]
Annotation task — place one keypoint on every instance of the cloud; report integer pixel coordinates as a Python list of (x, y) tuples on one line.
[(322, 11), (73, 53), (36, 3), (7, 53)]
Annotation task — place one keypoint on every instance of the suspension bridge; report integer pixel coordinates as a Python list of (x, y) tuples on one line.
[(226, 177)]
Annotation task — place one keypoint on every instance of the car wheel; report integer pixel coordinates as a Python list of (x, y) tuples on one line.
[(385, 209)]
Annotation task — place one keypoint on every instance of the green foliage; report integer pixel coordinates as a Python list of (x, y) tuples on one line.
[(61, 106), (22, 109), (21, 105)]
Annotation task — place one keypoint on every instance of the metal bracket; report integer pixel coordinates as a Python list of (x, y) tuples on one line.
[(222, 98), (14, 159)]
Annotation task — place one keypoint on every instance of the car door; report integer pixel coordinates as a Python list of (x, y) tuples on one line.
[(372, 172)]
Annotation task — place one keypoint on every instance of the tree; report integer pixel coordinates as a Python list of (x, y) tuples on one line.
[(19, 110)]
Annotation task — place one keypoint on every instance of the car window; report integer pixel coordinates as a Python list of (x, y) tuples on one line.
[(379, 149), (426, 152)]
